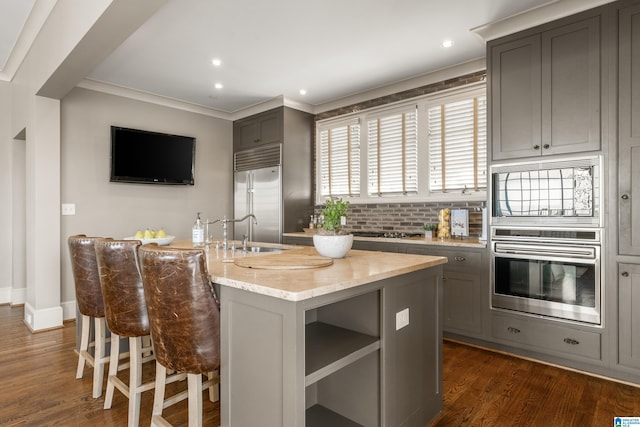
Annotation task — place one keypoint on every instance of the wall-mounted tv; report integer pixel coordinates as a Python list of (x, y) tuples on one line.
[(150, 157)]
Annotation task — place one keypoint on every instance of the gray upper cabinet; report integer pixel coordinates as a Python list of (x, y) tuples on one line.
[(629, 130), (515, 97), (545, 88), (263, 128)]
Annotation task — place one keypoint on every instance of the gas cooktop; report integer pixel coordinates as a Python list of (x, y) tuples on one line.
[(386, 234)]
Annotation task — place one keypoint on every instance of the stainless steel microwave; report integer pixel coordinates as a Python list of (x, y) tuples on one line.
[(547, 193)]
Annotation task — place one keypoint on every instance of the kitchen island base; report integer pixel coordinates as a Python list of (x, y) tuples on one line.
[(340, 359)]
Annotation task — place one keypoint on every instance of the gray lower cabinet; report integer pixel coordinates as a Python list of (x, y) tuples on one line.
[(629, 130), (546, 336), (465, 277), (629, 315), (300, 241), (545, 89), (335, 359), (378, 246)]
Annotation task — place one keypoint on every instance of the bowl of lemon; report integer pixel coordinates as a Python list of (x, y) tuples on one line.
[(152, 236)]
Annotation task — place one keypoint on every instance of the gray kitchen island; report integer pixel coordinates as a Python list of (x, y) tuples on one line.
[(354, 343)]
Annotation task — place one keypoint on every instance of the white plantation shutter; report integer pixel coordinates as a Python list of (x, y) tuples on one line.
[(458, 145), (340, 159), (392, 153)]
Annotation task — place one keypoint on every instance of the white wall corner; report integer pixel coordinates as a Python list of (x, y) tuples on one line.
[(68, 310), (5, 295), (39, 320)]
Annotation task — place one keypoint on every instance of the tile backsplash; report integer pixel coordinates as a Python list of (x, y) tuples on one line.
[(406, 217)]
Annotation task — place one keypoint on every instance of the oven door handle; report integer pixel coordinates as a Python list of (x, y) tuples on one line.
[(546, 251)]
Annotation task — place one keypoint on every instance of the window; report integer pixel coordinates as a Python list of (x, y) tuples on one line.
[(458, 145), (393, 153), (340, 159), (429, 148)]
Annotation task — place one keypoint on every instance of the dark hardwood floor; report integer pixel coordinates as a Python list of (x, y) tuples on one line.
[(484, 388), (481, 388), (38, 385)]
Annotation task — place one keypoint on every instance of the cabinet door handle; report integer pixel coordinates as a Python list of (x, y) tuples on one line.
[(624, 274), (536, 147), (513, 330), (571, 341), (546, 146), (459, 258), (625, 197)]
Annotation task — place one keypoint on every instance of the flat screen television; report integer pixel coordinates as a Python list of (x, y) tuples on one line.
[(141, 156)]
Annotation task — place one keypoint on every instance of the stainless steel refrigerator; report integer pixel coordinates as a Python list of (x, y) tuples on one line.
[(258, 191)]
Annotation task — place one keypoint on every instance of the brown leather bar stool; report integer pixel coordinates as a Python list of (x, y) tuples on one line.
[(91, 306), (184, 319), (126, 315)]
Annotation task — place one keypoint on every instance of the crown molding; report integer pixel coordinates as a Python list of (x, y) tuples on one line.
[(125, 92), (548, 12), (36, 19)]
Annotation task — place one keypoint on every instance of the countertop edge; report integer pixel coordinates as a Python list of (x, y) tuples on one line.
[(467, 243), (432, 261)]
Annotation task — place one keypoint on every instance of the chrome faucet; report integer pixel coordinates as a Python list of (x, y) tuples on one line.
[(224, 227)]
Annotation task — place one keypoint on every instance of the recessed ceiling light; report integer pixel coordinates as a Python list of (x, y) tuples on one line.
[(216, 62), (218, 86), (447, 43), (303, 91)]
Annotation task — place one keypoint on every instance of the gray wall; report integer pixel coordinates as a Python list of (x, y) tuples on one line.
[(116, 209)]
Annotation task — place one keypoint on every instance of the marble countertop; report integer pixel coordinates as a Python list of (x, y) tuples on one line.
[(469, 242), (357, 268)]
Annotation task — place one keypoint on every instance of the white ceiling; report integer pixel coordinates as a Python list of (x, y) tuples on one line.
[(273, 48), (13, 14)]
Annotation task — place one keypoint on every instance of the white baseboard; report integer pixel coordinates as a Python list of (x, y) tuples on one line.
[(68, 310), (38, 320), (18, 296), (13, 296), (5, 295)]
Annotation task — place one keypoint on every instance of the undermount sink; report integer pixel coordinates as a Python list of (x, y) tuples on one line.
[(264, 249)]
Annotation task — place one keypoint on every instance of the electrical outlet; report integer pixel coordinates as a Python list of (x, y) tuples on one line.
[(343, 221), (68, 209), (402, 319)]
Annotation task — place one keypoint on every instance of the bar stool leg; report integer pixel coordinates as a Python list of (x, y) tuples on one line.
[(99, 358), (135, 380), (113, 369), (195, 399), (214, 390), (158, 397), (84, 345)]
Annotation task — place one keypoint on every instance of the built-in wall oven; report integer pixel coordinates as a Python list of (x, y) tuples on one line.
[(549, 272), (546, 238)]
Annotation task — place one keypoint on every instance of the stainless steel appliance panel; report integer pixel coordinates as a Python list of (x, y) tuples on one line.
[(258, 192), (560, 192), (546, 276)]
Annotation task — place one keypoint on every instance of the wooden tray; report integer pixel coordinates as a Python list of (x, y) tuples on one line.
[(283, 261)]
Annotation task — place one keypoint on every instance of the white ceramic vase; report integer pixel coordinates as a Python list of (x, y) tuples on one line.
[(333, 246)]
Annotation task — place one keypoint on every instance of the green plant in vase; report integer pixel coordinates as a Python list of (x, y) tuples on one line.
[(429, 229), (331, 241), (333, 212)]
